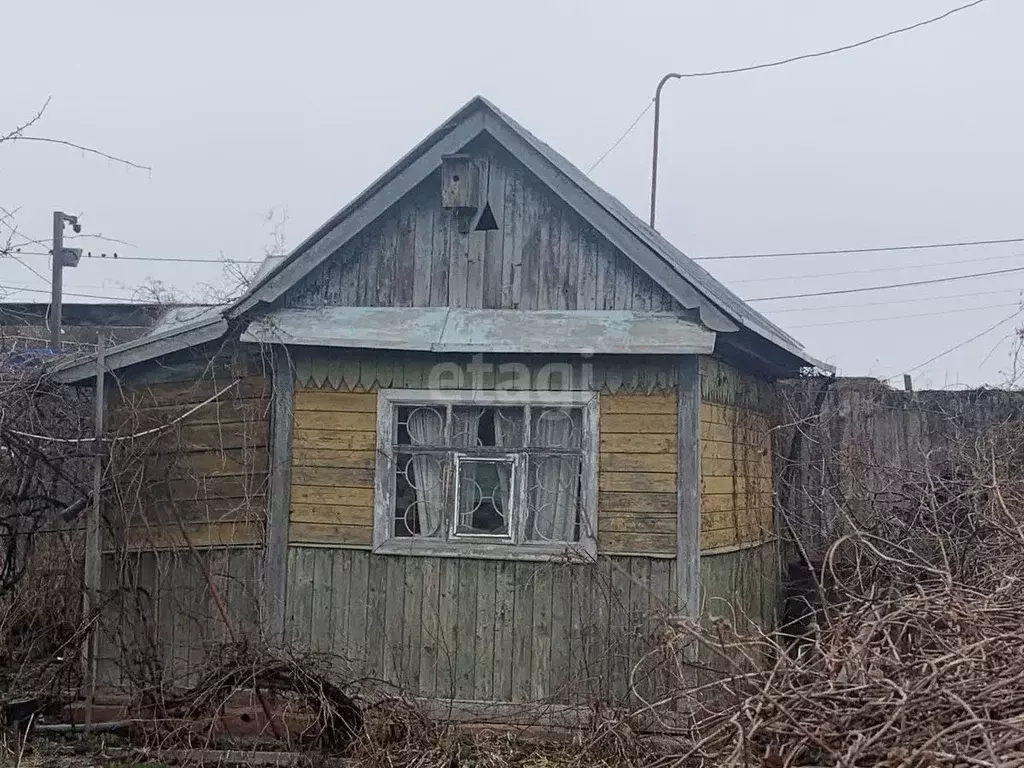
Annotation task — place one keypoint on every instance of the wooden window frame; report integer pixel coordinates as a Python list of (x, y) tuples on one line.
[(386, 543)]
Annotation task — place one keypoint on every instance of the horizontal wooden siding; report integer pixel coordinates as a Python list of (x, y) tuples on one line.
[(637, 474)]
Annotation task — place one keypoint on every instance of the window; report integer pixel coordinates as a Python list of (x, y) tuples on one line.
[(486, 474)]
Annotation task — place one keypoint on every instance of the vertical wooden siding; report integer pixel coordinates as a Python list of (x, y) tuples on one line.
[(542, 256), (638, 473), (483, 630), (736, 458), (161, 620)]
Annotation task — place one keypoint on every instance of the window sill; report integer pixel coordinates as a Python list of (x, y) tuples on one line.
[(569, 553)]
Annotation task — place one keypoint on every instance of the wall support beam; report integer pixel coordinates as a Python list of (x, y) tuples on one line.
[(688, 492), (276, 556)]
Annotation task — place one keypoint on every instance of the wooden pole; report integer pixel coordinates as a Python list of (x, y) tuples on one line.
[(92, 541)]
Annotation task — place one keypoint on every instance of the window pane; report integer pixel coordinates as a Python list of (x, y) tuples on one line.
[(420, 494), (559, 428), (553, 495), (487, 427), (484, 497), (421, 425)]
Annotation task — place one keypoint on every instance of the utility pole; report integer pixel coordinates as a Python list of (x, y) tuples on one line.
[(654, 150), (61, 257)]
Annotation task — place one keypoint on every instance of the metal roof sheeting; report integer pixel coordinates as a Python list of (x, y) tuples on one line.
[(440, 329)]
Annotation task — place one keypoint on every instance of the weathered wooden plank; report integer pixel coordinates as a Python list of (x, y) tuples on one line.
[(458, 265), (336, 420), (444, 232), (522, 632), (301, 563), (203, 437), (127, 420), (223, 533), (376, 605), (405, 256), (530, 250), (332, 476), (663, 404), (494, 240), (448, 627), (394, 613), (341, 583), (431, 652), (337, 496), (512, 260), (412, 618), (636, 543), (637, 628), (638, 423), (323, 514), (424, 254), (570, 260), (654, 503), (466, 660), (550, 262), (327, 533), (311, 457), (637, 522), (580, 637), (624, 272), (504, 629), (244, 579), (475, 244), (639, 462), (485, 620), (639, 482), (540, 675), (597, 627), (369, 263), (236, 461), (188, 393), (619, 628), (319, 401), (586, 290), (358, 608), (629, 443), (321, 627), (338, 441), (561, 633), (605, 288)]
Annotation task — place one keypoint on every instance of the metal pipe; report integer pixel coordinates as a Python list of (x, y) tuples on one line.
[(654, 153)]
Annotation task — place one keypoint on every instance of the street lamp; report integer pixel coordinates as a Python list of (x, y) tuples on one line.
[(654, 153)]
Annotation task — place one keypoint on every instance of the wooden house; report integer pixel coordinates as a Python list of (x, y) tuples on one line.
[(475, 437)]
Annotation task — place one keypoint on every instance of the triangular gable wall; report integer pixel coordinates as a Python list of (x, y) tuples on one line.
[(543, 255)]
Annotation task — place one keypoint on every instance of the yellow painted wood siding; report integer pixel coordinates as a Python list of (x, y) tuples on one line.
[(333, 459), (736, 457), (637, 471), (201, 481)]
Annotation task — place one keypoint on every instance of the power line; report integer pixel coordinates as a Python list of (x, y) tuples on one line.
[(888, 286), (877, 249), (790, 60), (916, 299), (963, 343), (905, 317), (621, 138), (875, 269), (15, 289), (169, 259)]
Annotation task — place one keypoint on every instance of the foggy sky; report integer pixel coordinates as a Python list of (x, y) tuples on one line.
[(241, 107)]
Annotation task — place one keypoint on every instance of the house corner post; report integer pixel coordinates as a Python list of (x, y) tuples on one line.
[(275, 567), (688, 489)]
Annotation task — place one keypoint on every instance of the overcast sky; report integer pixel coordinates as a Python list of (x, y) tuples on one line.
[(243, 107)]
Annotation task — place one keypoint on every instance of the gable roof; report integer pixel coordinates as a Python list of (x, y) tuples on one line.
[(694, 287)]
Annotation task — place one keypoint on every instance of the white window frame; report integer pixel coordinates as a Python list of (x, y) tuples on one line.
[(483, 546)]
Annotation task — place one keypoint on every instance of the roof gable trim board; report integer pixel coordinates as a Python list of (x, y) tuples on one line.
[(351, 220)]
